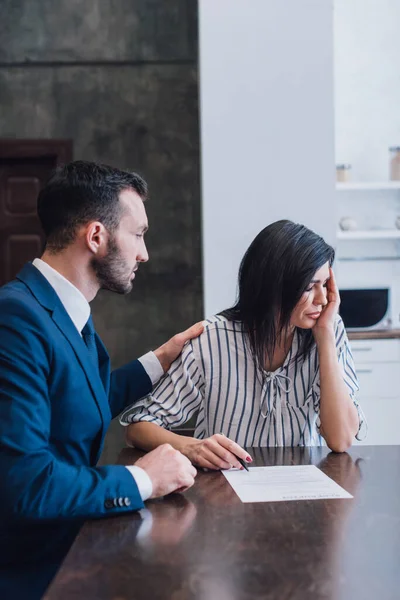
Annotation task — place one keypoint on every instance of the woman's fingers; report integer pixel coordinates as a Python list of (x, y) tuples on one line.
[(233, 447), (333, 288), (219, 452), (224, 457), (214, 459)]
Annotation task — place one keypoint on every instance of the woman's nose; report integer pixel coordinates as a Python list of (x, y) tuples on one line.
[(321, 299)]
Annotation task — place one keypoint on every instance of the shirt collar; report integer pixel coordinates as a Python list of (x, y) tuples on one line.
[(74, 301)]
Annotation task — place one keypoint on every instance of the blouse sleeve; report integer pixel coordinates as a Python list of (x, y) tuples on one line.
[(346, 362), (176, 397)]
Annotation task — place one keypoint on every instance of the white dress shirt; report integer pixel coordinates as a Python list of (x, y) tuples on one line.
[(78, 310)]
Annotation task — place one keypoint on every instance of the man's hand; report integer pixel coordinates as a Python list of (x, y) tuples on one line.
[(169, 351), (215, 452), (168, 470)]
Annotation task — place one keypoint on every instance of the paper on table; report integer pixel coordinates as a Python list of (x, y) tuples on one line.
[(280, 484)]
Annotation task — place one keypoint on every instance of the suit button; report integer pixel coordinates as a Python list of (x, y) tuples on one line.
[(108, 504), (121, 502), (127, 502)]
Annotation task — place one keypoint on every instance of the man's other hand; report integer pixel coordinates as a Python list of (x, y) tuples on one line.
[(168, 470)]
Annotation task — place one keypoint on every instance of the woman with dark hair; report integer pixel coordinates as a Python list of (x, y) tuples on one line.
[(275, 369)]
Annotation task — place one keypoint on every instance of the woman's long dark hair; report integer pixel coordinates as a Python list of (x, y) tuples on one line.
[(274, 273)]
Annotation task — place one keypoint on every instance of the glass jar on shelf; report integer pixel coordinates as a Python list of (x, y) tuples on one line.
[(343, 173), (394, 163)]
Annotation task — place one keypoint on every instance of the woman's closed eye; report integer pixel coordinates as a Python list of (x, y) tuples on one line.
[(325, 285)]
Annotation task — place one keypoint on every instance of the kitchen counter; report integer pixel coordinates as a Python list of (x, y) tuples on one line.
[(375, 334)]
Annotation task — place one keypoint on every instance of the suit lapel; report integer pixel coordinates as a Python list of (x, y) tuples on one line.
[(47, 297), (104, 364), (65, 325)]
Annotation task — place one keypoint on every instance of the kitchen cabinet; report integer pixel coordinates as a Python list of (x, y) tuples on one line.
[(377, 364)]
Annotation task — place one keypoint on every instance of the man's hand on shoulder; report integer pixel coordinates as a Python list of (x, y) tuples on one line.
[(169, 351), (168, 470)]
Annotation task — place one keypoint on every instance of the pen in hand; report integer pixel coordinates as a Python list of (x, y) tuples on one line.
[(242, 463)]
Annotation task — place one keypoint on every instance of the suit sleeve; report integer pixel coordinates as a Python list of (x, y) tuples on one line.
[(176, 398), (36, 484), (128, 384)]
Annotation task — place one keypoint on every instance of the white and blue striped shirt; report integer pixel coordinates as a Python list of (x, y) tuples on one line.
[(215, 377)]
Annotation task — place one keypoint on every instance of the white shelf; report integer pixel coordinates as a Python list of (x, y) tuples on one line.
[(374, 234), (368, 185)]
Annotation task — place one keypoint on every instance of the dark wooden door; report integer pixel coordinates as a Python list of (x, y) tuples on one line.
[(25, 165)]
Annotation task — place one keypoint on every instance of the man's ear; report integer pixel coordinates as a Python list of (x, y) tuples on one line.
[(96, 238)]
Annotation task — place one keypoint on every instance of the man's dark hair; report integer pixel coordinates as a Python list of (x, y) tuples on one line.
[(274, 273), (80, 192)]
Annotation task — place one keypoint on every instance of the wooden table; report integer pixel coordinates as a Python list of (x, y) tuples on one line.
[(207, 545)]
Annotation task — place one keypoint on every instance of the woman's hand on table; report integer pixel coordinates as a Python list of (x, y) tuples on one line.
[(215, 452)]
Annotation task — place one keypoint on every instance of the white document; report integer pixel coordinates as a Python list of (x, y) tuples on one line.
[(280, 484)]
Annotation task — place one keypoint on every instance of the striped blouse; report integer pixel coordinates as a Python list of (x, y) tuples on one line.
[(215, 377)]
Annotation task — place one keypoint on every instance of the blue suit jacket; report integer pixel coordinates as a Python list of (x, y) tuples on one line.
[(55, 409)]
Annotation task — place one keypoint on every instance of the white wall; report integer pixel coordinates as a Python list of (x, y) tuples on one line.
[(266, 87), (367, 84), (367, 121)]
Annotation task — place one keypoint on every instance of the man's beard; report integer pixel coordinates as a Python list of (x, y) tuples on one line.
[(112, 271)]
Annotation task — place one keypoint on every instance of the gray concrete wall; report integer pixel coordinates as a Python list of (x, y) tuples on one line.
[(119, 78)]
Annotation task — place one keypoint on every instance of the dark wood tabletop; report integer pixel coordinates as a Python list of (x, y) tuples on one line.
[(206, 544)]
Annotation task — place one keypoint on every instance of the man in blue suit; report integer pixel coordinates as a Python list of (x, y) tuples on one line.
[(57, 396)]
